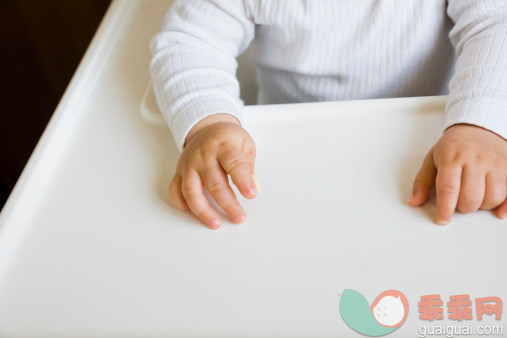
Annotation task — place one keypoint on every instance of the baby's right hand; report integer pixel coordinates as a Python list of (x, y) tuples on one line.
[(215, 147)]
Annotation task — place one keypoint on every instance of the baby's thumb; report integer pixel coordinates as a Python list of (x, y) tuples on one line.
[(249, 152), (251, 164), (250, 160), (423, 182)]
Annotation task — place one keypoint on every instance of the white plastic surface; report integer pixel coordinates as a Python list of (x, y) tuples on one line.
[(149, 109), (89, 244)]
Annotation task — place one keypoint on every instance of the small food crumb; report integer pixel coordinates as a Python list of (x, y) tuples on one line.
[(257, 185)]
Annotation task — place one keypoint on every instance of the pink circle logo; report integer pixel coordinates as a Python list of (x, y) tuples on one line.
[(390, 308)]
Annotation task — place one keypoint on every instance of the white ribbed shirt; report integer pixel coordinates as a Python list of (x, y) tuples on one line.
[(329, 50)]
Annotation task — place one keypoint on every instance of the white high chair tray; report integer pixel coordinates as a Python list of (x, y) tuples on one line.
[(90, 246)]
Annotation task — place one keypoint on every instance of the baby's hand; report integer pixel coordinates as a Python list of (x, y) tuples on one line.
[(215, 147), (468, 165)]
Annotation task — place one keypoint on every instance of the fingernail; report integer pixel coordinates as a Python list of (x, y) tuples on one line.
[(442, 222), (504, 216), (239, 219), (215, 224), (411, 199), (251, 192)]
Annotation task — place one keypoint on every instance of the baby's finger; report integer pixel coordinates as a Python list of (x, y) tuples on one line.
[(235, 164), (193, 192), (176, 195), (502, 210), (473, 186), (249, 151), (217, 184), (447, 185), (496, 191), (423, 182)]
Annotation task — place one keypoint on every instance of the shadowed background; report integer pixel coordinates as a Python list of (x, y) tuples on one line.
[(41, 43)]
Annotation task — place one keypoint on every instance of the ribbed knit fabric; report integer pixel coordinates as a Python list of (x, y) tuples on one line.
[(328, 50)]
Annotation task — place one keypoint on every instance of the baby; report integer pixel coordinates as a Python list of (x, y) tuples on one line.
[(328, 50)]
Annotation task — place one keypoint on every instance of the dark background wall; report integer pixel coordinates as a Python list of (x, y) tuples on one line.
[(41, 44)]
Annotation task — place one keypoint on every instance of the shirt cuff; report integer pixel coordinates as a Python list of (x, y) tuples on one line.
[(190, 114), (487, 113)]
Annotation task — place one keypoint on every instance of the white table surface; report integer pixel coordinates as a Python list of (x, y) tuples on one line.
[(89, 244)]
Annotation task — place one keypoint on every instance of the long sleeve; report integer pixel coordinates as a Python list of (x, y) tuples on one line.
[(478, 88), (193, 64)]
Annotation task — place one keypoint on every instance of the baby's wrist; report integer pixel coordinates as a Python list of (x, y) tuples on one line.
[(210, 120), (473, 127)]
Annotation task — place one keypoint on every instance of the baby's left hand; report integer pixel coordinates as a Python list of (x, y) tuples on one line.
[(468, 166)]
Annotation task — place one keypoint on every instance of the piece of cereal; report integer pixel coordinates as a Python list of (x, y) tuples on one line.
[(257, 185)]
